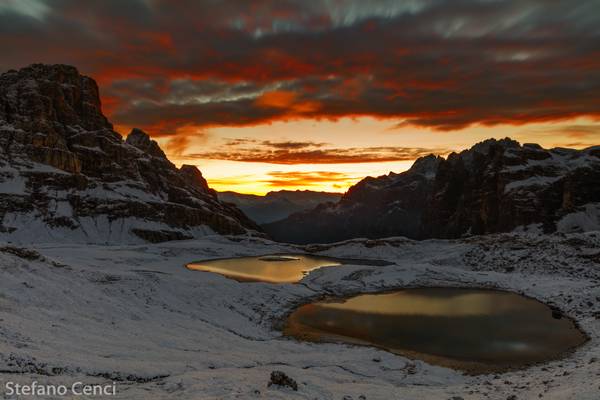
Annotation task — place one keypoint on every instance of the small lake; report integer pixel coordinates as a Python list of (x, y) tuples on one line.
[(276, 268), (477, 331)]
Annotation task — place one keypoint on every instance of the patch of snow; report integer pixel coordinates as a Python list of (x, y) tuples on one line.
[(7, 127), (563, 160), (533, 181), (32, 228), (531, 229), (124, 190), (585, 220), (95, 149), (12, 183), (101, 313), (36, 167), (61, 208)]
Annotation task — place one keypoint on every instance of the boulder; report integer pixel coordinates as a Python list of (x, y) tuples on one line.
[(281, 379)]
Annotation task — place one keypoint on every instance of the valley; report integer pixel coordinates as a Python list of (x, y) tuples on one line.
[(135, 315)]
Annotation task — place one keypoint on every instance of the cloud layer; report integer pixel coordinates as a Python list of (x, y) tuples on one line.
[(290, 153), (175, 66)]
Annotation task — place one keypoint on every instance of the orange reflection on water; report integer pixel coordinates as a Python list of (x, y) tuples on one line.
[(473, 330), (284, 268), (440, 302)]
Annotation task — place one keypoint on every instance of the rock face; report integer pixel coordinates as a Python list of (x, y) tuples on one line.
[(65, 174), (496, 186), (279, 378), (277, 205)]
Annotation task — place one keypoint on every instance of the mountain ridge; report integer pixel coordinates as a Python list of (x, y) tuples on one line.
[(495, 186), (65, 173), (276, 205)]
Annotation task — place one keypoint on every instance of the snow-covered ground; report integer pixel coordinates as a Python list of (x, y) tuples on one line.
[(135, 315)]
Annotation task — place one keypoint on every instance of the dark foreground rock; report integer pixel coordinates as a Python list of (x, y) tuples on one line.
[(281, 379)]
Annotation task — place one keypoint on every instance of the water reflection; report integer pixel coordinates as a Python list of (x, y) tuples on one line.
[(278, 268), (470, 329)]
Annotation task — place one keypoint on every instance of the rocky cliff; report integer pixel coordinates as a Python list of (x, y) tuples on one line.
[(496, 186), (65, 174)]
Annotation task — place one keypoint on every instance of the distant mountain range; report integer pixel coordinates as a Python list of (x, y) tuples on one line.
[(65, 174), (495, 186), (277, 205)]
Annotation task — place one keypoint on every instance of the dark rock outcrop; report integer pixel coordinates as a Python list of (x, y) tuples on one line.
[(65, 174), (193, 176), (280, 378), (496, 186), (140, 139), (159, 236), (51, 99)]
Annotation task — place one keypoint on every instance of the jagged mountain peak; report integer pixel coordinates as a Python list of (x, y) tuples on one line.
[(484, 146), (495, 186), (426, 165), (51, 99), (141, 140), (194, 177), (65, 173)]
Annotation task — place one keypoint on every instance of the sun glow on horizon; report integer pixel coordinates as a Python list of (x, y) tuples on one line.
[(317, 95), (268, 157)]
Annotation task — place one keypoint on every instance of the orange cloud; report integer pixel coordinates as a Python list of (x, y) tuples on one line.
[(177, 145), (287, 101), (291, 153), (397, 66), (277, 99), (296, 179), (306, 107)]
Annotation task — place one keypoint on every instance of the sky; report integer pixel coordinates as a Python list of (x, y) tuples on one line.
[(317, 94)]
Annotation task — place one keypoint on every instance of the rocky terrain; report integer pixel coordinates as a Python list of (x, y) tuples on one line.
[(277, 205), (65, 173), (136, 316), (496, 186)]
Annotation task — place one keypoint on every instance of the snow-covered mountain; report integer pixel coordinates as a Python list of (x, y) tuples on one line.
[(277, 205), (496, 186), (66, 174)]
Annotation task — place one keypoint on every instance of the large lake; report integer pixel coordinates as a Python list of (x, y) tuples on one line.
[(277, 268), (469, 329)]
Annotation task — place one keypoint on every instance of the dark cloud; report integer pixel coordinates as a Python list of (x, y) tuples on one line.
[(291, 153), (291, 145), (168, 65), (240, 142), (271, 145), (581, 131), (177, 145)]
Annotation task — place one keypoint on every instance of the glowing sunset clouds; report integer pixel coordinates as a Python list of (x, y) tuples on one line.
[(366, 85)]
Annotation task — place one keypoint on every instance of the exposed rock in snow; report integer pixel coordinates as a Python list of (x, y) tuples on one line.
[(66, 175), (496, 186), (281, 379), (587, 218)]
